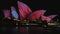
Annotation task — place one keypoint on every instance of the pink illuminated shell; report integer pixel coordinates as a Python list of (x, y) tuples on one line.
[(24, 10), (52, 16), (7, 13), (36, 15), (48, 18), (43, 18)]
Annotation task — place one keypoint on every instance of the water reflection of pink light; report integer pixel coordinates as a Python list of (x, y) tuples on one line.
[(23, 29)]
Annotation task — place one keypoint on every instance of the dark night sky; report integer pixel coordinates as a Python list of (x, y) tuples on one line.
[(52, 7)]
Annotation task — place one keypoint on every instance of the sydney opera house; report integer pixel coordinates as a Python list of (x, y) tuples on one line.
[(21, 17)]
